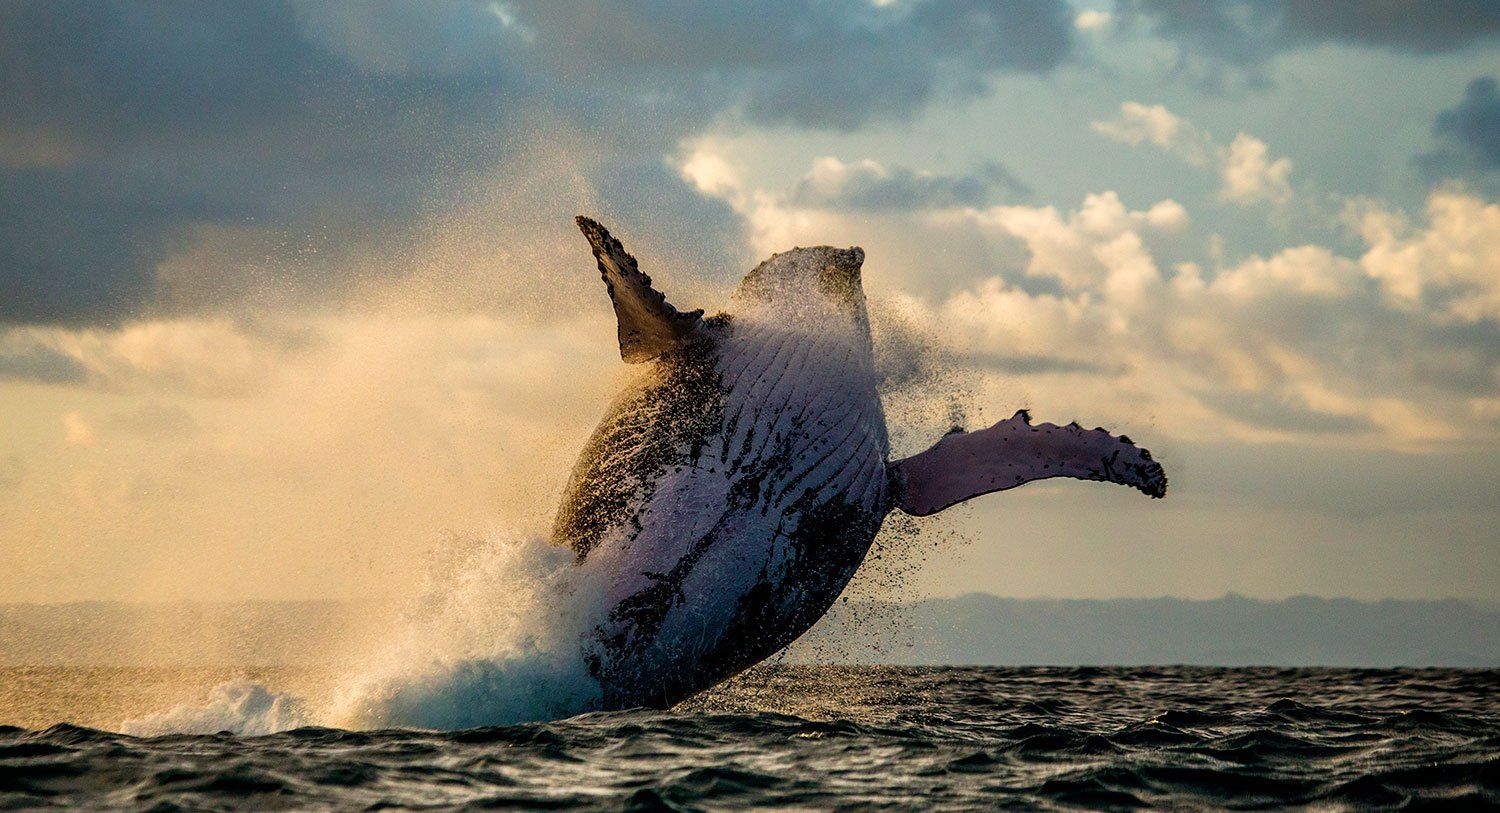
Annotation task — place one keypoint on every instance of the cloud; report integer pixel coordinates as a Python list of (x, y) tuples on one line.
[(133, 130), (25, 360), (405, 39), (1468, 135), (1450, 268), (841, 66), (325, 476), (1155, 124), (202, 357), (1302, 341), (792, 61), (868, 185), (1092, 20), (164, 116), (1081, 307), (1250, 32), (1248, 173), (1283, 412), (1100, 243)]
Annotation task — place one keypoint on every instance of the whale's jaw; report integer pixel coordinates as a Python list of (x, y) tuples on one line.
[(727, 501)]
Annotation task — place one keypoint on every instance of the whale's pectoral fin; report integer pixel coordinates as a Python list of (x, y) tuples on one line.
[(649, 325), (964, 465)]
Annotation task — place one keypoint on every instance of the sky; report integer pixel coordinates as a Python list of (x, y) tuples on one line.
[(291, 298)]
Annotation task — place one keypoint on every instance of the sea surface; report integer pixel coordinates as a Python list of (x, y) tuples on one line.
[(812, 738)]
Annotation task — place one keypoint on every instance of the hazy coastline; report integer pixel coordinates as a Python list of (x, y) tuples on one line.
[(974, 629)]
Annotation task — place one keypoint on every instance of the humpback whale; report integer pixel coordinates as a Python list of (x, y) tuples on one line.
[(732, 492)]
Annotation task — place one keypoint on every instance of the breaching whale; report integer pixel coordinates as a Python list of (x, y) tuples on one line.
[(729, 495)]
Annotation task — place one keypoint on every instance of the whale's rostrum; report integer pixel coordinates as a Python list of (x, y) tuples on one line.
[(729, 496)]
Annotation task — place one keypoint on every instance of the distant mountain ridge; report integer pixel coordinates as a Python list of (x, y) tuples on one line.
[(971, 629), (1229, 631)]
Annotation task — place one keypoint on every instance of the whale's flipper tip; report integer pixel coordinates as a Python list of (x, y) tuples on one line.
[(1153, 481), (1014, 452)]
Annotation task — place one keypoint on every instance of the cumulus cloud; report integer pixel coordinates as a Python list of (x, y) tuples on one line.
[(1468, 136), (1390, 344), (1155, 124), (1100, 244), (1248, 173), (1092, 20), (1283, 411), (1450, 266), (1301, 341)]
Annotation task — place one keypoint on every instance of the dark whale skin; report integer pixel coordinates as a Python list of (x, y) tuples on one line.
[(740, 484)]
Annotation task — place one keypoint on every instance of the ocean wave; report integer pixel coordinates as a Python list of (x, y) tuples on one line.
[(850, 738)]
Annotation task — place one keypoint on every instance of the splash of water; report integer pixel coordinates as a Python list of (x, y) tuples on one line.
[(491, 639), (238, 706), (506, 624)]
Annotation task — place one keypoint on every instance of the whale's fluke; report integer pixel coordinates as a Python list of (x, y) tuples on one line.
[(648, 324), (964, 465)]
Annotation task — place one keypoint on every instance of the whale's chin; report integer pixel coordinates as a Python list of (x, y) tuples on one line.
[(725, 624)]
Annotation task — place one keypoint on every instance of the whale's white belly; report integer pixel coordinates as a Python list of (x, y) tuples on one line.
[(801, 430)]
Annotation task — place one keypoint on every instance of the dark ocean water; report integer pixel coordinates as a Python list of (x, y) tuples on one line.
[(852, 738)]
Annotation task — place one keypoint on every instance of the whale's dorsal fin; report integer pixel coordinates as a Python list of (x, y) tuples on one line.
[(649, 325), (964, 465)]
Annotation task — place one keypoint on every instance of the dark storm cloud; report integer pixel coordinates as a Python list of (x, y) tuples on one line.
[(1248, 32), (126, 125), (846, 71), (869, 187), (1468, 135), (801, 62)]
